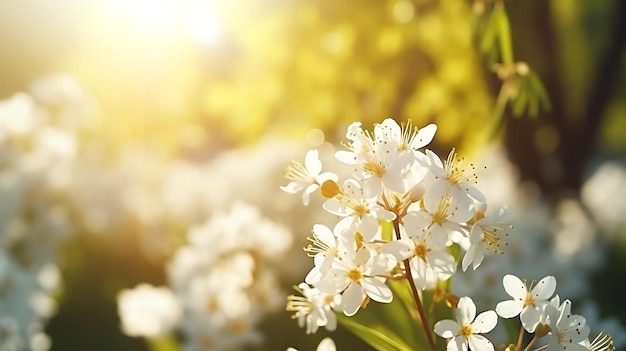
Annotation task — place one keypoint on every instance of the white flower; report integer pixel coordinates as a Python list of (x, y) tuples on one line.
[(569, 331), (313, 309), (383, 159), (528, 304), (148, 311), (324, 248), (464, 331), (359, 211), (426, 249), (407, 136), (306, 178), (327, 344), (452, 178), (355, 276), (485, 236)]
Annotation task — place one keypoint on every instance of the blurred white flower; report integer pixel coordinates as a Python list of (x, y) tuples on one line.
[(148, 311), (605, 195), (327, 344)]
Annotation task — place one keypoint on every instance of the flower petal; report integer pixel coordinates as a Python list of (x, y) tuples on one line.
[(509, 308), (480, 343), (312, 162), (400, 249), (485, 322), (351, 299), (424, 136), (545, 288), (514, 286), (447, 328), (377, 290), (530, 318), (466, 310)]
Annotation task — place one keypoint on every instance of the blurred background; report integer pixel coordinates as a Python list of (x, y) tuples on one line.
[(129, 125)]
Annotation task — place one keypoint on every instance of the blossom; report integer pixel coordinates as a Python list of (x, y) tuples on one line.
[(529, 305), (485, 236), (354, 275), (327, 344), (357, 209), (426, 249), (324, 248), (306, 178), (569, 330), (148, 311), (451, 178), (382, 159), (313, 309), (464, 332)]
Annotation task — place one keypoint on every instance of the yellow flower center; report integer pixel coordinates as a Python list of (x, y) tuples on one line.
[(420, 251), (441, 214), (355, 275), (466, 329), (374, 167), (529, 300)]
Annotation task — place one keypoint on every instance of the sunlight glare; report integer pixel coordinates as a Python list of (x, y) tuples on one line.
[(196, 19)]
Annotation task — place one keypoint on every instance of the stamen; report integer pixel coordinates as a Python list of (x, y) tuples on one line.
[(374, 167), (602, 342), (296, 171), (318, 246), (491, 239), (298, 304), (441, 214), (456, 172)]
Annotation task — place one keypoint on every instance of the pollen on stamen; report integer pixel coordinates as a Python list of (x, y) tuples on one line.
[(492, 240), (455, 171), (330, 189)]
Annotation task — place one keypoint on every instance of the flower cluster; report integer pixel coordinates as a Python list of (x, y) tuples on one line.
[(37, 155), (406, 214), (540, 314), (433, 204), (220, 284)]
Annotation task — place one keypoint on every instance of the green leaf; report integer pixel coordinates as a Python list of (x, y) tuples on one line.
[(391, 326), (488, 41), (377, 336), (387, 230), (504, 35), (540, 91), (520, 102)]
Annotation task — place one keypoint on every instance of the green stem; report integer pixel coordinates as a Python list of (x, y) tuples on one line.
[(531, 343), (416, 296)]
